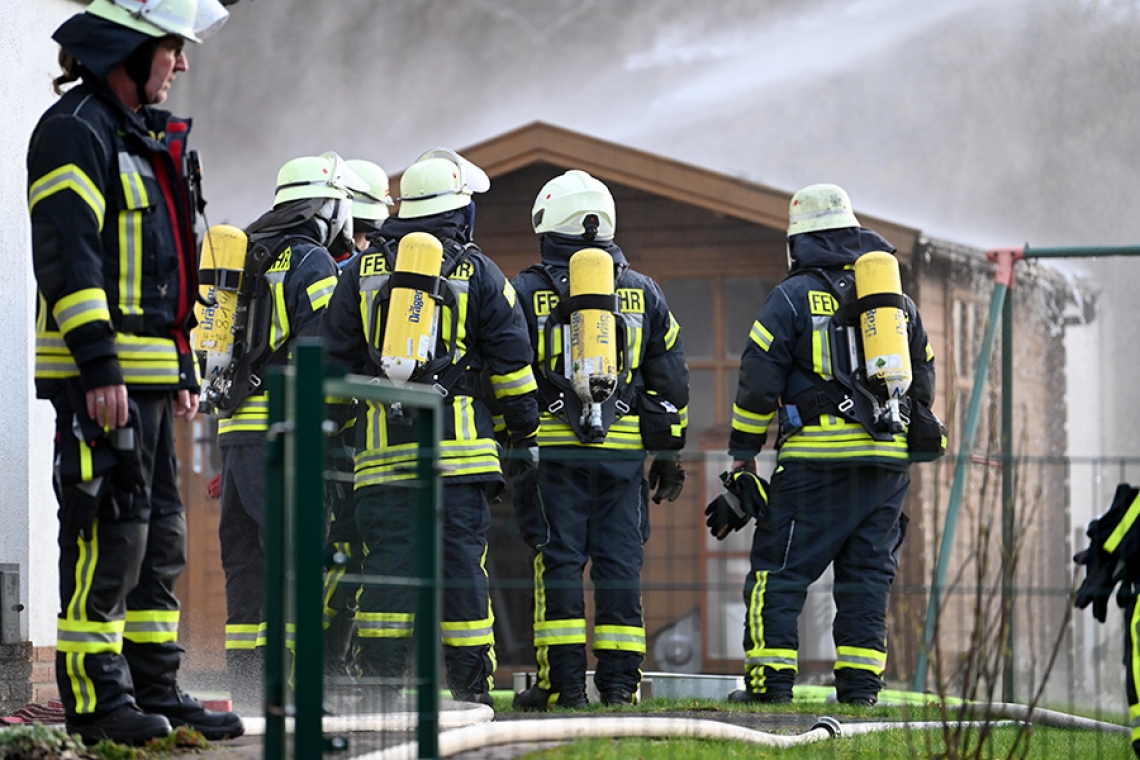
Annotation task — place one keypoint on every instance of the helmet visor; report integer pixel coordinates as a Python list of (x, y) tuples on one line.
[(472, 179), (210, 18)]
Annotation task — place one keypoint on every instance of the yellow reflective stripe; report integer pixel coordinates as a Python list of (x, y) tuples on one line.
[(754, 423), (1134, 640), (624, 434), (622, 638), (320, 292), (89, 636), (468, 633), (835, 438), (672, 333), (246, 636), (279, 329), (68, 177), (776, 659), (80, 308), (1125, 525), (821, 348), (514, 383), (1134, 710), (86, 467), (251, 415), (554, 632), (130, 261), (760, 336), (385, 625), (151, 626), (858, 658), (142, 360), (85, 563)]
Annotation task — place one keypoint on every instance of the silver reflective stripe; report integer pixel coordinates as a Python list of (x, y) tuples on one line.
[(771, 661), (107, 638)]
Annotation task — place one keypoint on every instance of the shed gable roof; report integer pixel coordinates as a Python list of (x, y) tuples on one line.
[(539, 142)]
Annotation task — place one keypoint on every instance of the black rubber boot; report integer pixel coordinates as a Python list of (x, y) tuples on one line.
[(538, 699), (183, 710), (743, 696), (126, 724), (618, 697)]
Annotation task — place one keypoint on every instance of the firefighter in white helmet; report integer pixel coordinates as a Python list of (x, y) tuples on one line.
[(837, 494), (113, 197), (295, 244), (588, 499), (369, 210), (371, 207), (463, 313)]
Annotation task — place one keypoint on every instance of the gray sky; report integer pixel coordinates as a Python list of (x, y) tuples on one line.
[(986, 122)]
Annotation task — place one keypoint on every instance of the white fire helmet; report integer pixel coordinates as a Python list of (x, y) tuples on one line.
[(192, 20), (440, 180), (565, 202), (820, 207)]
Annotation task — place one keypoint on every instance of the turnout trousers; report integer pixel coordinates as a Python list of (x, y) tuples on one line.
[(241, 532), (1132, 667), (117, 638), (591, 506), (385, 622), (848, 515)]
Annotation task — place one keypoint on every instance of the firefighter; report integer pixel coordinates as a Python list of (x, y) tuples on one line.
[(369, 209), (113, 206), (1112, 558), (478, 328), (837, 493), (588, 499), (309, 225)]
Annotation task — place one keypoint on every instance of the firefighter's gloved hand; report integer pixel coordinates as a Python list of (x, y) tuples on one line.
[(1102, 573), (214, 487), (521, 457), (1114, 538), (667, 476), (745, 498)]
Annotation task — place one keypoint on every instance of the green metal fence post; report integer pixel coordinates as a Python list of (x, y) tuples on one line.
[(276, 588), (430, 571), (308, 554)]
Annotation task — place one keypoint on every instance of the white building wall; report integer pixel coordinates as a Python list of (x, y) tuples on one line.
[(27, 505)]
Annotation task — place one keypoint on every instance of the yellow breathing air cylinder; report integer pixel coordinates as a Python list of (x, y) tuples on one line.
[(593, 336), (886, 351), (223, 262), (410, 333)]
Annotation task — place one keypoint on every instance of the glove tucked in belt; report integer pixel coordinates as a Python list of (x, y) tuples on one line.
[(745, 498)]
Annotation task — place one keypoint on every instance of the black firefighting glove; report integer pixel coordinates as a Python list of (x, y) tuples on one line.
[(1113, 554), (745, 498), (87, 461), (667, 476), (520, 458)]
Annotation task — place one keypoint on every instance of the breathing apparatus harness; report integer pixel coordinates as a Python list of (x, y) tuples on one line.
[(557, 395), (848, 394), (449, 373)]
